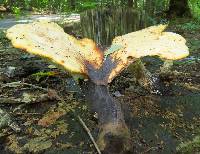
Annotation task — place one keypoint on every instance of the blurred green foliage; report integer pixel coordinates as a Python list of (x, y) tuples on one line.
[(55, 6), (195, 8), (16, 11), (190, 26), (79, 5)]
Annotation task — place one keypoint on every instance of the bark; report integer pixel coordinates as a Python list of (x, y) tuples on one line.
[(130, 3)]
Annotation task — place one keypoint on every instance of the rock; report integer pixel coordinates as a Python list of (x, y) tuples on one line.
[(72, 86), (10, 71), (52, 67), (6, 121), (2, 8), (117, 94)]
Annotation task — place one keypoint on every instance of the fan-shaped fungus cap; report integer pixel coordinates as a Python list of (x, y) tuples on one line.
[(47, 39), (151, 41)]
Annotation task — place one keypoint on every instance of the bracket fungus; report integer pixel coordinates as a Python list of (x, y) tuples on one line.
[(82, 56)]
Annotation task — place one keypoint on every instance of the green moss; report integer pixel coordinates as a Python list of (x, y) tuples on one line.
[(40, 75), (189, 147)]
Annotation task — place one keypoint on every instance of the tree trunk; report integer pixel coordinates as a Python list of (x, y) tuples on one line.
[(178, 8), (130, 3), (72, 4)]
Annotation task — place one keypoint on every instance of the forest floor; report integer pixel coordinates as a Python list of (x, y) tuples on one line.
[(40, 104)]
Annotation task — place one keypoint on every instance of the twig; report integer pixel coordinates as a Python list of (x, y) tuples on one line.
[(89, 133), (149, 149), (21, 113), (13, 84)]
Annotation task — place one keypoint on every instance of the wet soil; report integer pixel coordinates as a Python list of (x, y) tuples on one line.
[(42, 105)]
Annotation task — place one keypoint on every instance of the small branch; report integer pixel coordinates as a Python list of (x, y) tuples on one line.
[(15, 84), (89, 133), (150, 149), (21, 113)]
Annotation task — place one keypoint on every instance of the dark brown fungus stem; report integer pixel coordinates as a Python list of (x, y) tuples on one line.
[(114, 136)]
